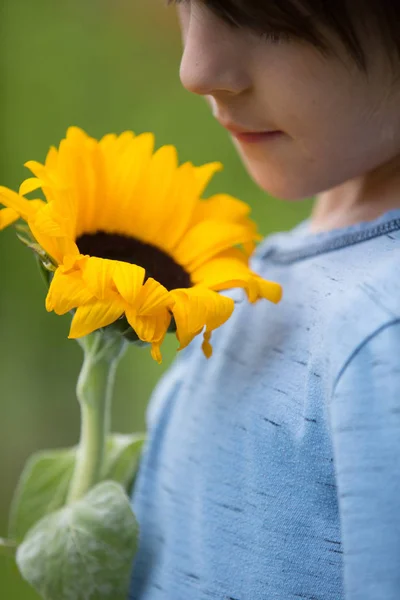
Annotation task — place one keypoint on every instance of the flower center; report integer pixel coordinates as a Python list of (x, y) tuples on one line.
[(156, 263)]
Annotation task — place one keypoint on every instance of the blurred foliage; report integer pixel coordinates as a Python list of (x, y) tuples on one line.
[(107, 67)]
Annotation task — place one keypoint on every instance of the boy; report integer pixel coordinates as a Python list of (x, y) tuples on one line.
[(272, 470)]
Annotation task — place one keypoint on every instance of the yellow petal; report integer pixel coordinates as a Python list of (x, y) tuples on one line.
[(56, 247), (29, 185), (115, 145), (155, 192), (82, 201), (230, 270), (76, 165), (50, 223), (59, 186), (73, 262), (150, 314), (224, 271), (93, 316), (197, 307), (124, 140), (156, 353), (270, 290), (249, 247), (204, 174), (25, 208), (67, 292), (119, 205), (51, 158), (177, 212), (208, 239), (108, 141), (49, 244), (152, 298), (221, 207), (75, 133), (206, 346), (41, 172), (128, 280), (98, 275), (61, 198), (7, 217), (149, 328)]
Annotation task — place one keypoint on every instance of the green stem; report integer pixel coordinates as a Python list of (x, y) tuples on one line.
[(8, 547), (94, 390)]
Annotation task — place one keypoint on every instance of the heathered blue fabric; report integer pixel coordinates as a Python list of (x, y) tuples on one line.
[(272, 470)]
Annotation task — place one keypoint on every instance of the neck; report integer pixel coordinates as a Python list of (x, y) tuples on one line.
[(364, 198)]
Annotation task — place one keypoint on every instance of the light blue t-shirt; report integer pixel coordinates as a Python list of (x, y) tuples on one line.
[(272, 470)]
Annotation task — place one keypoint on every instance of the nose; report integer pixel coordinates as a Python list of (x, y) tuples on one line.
[(213, 60)]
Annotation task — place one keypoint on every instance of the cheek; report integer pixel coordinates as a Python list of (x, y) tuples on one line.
[(302, 91), (293, 168), (332, 135), (282, 169)]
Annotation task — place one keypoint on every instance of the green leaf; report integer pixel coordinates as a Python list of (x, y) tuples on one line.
[(43, 485), (45, 272), (42, 489), (85, 550), (122, 458)]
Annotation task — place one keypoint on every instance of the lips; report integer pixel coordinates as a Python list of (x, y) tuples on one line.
[(257, 137), (249, 135), (239, 129)]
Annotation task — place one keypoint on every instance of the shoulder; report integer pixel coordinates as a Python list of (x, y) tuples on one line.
[(367, 302), (373, 367), (373, 278)]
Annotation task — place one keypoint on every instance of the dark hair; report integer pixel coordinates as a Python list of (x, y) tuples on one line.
[(302, 19)]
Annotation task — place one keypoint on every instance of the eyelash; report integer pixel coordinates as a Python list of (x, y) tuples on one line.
[(275, 37)]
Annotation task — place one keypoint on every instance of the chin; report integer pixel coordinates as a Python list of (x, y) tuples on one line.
[(279, 176), (284, 187)]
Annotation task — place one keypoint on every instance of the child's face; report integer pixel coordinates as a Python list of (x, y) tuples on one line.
[(338, 124)]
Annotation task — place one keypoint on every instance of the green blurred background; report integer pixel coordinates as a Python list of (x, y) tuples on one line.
[(106, 66)]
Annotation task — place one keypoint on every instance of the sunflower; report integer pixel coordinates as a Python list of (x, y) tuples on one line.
[(130, 238)]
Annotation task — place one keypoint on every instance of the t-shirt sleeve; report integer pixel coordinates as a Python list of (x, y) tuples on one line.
[(365, 420)]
